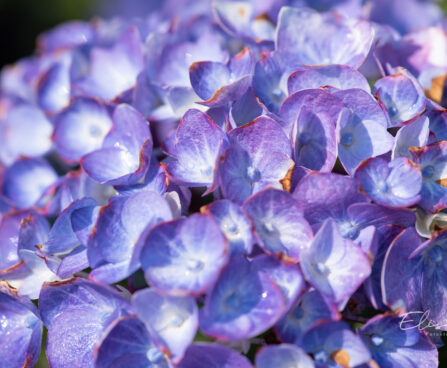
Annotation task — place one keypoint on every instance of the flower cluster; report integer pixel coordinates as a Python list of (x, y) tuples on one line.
[(227, 184)]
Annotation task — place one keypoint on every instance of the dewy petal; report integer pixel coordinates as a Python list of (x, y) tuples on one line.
[(76, 313), (283, 356), (171, 321), (243, 303), (334, 265), (198, 143), (57, 298), (72, 338), (308, 37), (184, 256), (279, 224), (128, 344), (20, 332)]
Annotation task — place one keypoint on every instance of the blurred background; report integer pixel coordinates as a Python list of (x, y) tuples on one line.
[(22, 20)]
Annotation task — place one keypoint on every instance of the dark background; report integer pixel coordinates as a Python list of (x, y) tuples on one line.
[(21, 21)]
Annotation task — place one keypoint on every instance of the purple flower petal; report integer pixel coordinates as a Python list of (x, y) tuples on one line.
[(334, 265), (315, 141), (26, 181), (25, 132), (234, 223), (401, 276), (198, 143), (334, 342), (114, 70), (310, 309), (397, 343), (402, 96), (432, 161), (243, 303), (279, 224), (184, 256), (21, 331), (128, 344), (413, 134), (126, 150)]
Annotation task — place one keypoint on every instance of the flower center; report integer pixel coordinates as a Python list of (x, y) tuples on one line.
[(347, 139), (177, 320), (392, 111), (253, 174), (304, 138), (233, 301), (348, 230), (277, 94), (321, 356), (382, 187), (154, 355), (320, 268), (376, 340), (428, 171), (268, 228), (435, 254), (194, 265)]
